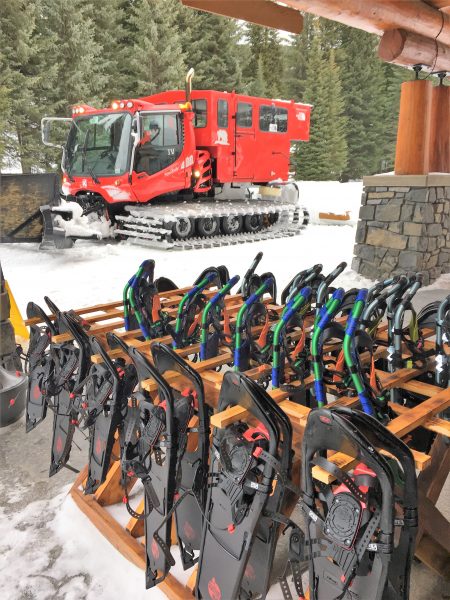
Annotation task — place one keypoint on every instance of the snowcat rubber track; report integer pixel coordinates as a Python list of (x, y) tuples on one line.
[(152, 226)]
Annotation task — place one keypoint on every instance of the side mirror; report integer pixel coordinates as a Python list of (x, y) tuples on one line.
[(54, 131)]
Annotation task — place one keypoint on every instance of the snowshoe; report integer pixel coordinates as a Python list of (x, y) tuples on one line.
[(213, 333), (350, 525), (39, 366), (186, 330), (107, 389), (253, 313), (72, 361), (256, 579), (243, 462), (406, 519), (442, 338), (283, 349), (251, 281), (192, 460)]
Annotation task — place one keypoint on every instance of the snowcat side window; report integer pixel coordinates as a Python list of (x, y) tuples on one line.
[(244, 117), (161, 143), (222, 113), (200, 115), (273, 119)]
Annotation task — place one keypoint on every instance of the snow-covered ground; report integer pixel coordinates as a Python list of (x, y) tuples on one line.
[(91, 273), (48, 549)]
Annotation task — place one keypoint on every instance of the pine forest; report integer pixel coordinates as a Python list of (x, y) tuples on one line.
[(56, 53)]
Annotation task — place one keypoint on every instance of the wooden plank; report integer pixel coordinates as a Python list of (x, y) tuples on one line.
[(434, 556), (192, 580), (392, 380), (418, 415), (111, 491), (435, 424), (420, 387), (128, 546)]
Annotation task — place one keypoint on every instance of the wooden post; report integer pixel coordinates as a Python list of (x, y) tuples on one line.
[(440, 130), (413, 135)]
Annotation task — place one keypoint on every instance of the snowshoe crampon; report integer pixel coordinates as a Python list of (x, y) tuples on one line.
[(350, 521), (243, 461)]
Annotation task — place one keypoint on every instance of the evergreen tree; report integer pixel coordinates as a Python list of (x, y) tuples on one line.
[(394, 76), (109, 17), (17, 25), (325, 155), (209, 44), (153, 61), (364, 86), (265, 50), (258, 85)]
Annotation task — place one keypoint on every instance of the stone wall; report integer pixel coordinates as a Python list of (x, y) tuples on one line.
[(404, 226)]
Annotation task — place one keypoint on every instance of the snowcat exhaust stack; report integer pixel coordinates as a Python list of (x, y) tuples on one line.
[(189, 77)]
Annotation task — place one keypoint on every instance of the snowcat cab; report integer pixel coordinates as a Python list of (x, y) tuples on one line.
[(170, 146)]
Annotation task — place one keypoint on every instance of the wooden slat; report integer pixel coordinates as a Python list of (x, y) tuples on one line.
[(434, 424)]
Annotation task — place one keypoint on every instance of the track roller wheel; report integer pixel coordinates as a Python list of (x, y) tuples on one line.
[(252, 223), (207, 227), (231, 224), (183, 228)]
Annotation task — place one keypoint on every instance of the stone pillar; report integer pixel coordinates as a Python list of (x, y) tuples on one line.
[(404, 226)]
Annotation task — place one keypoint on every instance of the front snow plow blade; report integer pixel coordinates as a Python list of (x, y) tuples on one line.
[(53, 236), (66, 222)]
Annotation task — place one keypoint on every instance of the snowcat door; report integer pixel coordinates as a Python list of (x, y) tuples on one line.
[(245, 151), (159, 165)]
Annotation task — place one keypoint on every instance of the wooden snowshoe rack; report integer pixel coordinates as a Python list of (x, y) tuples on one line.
[(433, 540)]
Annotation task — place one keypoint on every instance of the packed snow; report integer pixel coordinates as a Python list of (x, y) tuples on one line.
[(46, 542)]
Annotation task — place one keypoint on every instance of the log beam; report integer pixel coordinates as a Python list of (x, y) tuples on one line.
[(261, 12), (408, 49), (378, 16)]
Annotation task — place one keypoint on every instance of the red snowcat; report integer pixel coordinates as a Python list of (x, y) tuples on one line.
[(178, 169)]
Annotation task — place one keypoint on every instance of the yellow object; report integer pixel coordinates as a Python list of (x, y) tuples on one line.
[(20, 328)]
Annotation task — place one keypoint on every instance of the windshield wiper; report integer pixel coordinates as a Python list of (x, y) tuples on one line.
[(89, 169), (93, 175)]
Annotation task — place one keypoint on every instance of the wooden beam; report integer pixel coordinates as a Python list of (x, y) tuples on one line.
[(377, 16), (440, 4), (407, 49), (260, 12)]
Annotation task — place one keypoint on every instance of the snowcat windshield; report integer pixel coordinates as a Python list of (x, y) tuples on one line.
[(99, 145)]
